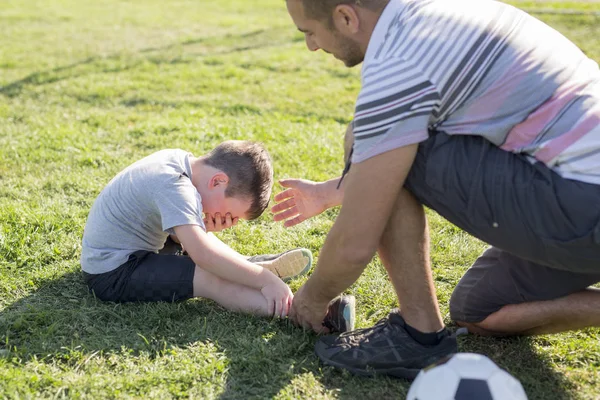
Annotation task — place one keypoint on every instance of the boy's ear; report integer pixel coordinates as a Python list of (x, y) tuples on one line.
[(218, 179)]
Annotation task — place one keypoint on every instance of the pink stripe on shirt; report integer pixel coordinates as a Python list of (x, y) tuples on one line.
[(590, 121), (524, 133)]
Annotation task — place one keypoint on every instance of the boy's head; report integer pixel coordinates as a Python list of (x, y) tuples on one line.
[(248, 174)]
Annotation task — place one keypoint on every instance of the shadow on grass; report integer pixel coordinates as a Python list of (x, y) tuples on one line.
[(234, 43), (518, 356), (263, 357), (62, 319)]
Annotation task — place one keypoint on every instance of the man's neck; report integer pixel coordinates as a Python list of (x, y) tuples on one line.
[(369, 19)]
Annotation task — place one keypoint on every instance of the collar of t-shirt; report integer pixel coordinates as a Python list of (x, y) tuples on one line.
[(393, 8)]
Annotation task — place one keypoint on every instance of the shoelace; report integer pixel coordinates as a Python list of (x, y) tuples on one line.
[(384, 325), (361, 333)]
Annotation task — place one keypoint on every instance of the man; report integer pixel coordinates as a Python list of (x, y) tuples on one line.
[(492, 119)]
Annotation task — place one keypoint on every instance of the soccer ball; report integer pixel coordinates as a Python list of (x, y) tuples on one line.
[(465, 376)]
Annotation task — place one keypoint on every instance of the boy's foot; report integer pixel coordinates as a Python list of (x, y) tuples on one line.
[(385, 349), (286, 265), (341, 314)]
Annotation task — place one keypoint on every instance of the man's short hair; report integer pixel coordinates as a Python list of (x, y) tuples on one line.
[(248, 166), (321, 10)]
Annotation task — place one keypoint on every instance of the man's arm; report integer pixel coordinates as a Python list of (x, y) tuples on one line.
[(371, 190), (304, 199)]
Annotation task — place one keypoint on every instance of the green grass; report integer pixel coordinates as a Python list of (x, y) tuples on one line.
[(86, 88)]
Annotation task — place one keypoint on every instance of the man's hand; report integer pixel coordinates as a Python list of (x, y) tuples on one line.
[(279, 297), (216, 223), (309, 311), (303, 199)]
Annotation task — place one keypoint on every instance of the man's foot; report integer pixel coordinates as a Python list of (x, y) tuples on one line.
[(341, 314), (286, 265), (386, 349)]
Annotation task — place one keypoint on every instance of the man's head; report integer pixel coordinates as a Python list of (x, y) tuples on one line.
[(241, 180), (338, 27)]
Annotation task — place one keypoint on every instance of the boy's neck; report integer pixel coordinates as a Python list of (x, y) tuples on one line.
[(201, 173)]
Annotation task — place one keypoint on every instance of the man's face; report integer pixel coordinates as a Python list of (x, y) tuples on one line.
[(319, 35)]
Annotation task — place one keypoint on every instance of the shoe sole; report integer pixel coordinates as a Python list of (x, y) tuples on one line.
[(349, 313), (398, 372), (289, 265)]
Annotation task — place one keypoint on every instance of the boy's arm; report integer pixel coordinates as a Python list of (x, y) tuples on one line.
[(214, 256)]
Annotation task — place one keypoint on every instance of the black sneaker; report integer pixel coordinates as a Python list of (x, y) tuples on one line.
[(341, 314), (286, 265), (384, 349)]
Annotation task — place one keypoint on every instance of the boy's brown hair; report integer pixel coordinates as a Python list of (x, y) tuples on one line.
[(248, 166)]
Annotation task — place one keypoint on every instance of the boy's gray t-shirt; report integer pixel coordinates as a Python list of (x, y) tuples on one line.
[(139, 208)]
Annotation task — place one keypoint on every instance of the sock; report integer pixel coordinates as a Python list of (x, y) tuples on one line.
[(426, 339)]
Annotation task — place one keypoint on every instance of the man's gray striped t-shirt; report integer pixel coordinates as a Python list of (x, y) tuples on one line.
[(479, 67)]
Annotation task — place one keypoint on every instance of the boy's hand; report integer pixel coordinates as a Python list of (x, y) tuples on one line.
[(216, 223), (279, 297)]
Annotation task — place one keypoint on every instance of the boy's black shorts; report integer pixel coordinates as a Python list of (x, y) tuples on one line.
[(146, 276)]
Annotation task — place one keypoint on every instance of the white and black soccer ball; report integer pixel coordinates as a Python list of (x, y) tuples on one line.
[(465, 376)]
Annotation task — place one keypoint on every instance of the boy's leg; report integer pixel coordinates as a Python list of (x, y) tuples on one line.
[(230, 295), (146, 276), (166, 277), (502, 294)]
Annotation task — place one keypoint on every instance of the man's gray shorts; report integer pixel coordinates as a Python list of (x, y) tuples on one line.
[(544, 229)]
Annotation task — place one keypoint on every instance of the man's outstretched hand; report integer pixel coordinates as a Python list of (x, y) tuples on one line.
[(301, 200)]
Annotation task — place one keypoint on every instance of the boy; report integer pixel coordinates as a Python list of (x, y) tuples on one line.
[(164, 196)]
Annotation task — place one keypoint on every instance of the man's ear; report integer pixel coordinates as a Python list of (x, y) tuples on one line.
[(219, 179), (346, 20)]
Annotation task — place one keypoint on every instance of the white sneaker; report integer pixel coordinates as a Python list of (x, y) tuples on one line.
[(286, 265)]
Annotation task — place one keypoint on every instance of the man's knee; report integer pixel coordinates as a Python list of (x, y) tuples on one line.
[(464, 309), (482, 291)]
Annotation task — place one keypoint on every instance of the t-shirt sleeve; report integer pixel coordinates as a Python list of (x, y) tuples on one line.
[(179, 203), (394, 108)]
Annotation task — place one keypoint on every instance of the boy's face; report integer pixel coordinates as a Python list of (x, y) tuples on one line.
[(218, 206)]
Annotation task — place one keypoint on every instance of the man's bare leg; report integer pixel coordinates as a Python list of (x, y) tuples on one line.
[(404, 251), (575, 311)]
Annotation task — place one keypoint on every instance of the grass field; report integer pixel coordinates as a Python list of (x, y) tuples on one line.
[(86, 87)]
